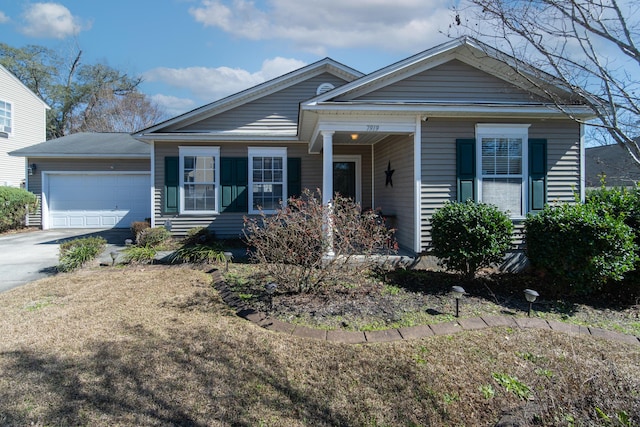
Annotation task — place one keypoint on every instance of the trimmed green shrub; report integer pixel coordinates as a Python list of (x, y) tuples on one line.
[(15, 203), (75, 253), (618, 202), (579, 246), (153, 237), (469, 236)]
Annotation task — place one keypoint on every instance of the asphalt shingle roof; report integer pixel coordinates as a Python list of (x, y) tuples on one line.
[(86, 144)]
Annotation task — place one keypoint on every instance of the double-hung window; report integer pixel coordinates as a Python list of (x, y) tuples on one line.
[(502, 162), (6, 115), (267, 178), (199, 179)]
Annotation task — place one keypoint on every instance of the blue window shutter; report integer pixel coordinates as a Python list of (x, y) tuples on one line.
[(171, 184), (537, 174), (466, 169), (234, 181), (294, 177)]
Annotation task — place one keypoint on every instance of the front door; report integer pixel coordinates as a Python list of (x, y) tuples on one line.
[(344, 179), (347, 170)]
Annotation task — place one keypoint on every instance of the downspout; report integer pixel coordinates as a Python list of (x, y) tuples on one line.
[(583, 179)]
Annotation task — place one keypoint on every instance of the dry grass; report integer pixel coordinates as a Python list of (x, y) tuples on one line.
[(156, 346)]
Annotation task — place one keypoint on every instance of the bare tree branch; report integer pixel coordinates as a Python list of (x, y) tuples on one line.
[(588, 46)]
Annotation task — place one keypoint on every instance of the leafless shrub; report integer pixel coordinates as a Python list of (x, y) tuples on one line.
[(296, 251)]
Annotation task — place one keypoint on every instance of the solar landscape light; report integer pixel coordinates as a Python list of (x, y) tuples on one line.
[(458, 292), (271, 289), (113, 255), (228, 256), (531, 296)]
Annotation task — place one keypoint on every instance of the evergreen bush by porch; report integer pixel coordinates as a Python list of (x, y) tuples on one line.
[(469, 236), (580, 246)]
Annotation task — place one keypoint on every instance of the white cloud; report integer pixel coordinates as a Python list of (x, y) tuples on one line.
[(51, 20), (315, 26), (3, 18), (172, 104), (210, 84)]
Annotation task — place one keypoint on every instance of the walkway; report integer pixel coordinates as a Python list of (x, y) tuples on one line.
[(414, 332)]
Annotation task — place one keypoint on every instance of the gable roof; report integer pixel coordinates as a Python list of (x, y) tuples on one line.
[(251, 94), (464, 49), (88, 145), (17, 80)]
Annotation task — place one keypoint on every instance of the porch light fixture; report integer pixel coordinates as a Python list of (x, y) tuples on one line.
[(531, 296), (113, 255), (458, 292), (32, 169), (354, 136)]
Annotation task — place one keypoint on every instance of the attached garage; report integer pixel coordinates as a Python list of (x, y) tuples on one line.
[(95, 200), (89, 180)]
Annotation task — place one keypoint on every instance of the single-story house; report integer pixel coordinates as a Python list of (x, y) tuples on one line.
[(89, 180), (454, 122)]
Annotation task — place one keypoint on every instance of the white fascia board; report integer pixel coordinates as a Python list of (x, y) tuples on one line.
[(222, 137), (86, 156), (452, 110)]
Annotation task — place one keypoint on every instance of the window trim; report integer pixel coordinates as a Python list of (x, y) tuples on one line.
[(267, 152), (505, 130), (199, 151), (12, 118)]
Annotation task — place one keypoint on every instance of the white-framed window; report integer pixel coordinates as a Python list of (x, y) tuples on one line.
[(501, 156), (199, 180), (6, 117), (267, 178)]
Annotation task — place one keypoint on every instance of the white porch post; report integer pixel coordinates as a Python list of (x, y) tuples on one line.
[(327, 187)]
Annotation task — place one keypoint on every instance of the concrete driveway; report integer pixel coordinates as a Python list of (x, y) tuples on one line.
[(32, 255)]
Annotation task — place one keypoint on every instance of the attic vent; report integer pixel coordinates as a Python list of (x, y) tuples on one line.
[(324, 87)]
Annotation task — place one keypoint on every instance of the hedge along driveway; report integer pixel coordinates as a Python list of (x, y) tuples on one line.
[(32, 255)]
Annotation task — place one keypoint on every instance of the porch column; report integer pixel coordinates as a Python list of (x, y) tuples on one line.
[(327, 187), (327, 166)]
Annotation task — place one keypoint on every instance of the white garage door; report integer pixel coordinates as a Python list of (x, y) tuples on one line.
[(98, 201)]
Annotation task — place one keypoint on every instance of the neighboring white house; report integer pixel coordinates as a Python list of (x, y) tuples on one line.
[(23, 117)]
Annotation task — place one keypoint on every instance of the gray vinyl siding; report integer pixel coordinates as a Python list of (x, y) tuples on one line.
[(274, 112), (438, 157), (229, 225), (451, 81), (396, 202)]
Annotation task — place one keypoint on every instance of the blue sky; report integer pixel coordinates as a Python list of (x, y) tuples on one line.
[(192, 52)]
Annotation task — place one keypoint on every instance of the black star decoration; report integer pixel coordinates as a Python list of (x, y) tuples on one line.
[(389, 172)]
